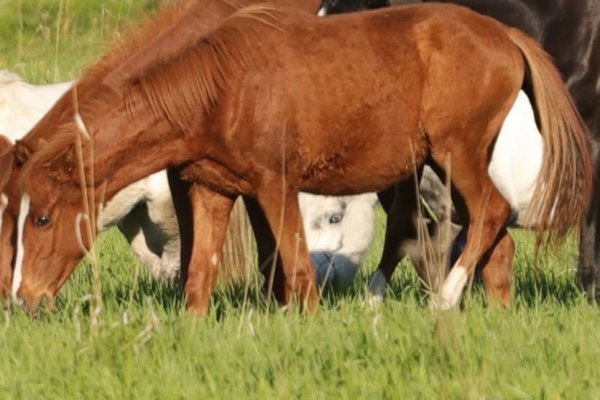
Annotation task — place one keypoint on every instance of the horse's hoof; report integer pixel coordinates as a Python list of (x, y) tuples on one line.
[(378, 284)]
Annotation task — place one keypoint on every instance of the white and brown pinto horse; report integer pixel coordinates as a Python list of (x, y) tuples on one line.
[(260, 108)]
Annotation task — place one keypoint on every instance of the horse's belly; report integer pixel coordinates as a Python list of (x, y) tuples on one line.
[(375, 168)]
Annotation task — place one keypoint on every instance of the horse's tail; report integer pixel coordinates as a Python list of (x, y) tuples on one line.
[(563, 191)]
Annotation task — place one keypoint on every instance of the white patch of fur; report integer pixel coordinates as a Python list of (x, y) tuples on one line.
[(517, 157), (18, 272), (322, 12), (214, 259), (453, 288)]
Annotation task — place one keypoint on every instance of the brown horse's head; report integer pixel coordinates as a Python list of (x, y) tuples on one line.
[(51, 228)]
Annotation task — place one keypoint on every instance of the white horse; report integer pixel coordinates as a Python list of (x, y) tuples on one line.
[(338, 232), (339, 229)]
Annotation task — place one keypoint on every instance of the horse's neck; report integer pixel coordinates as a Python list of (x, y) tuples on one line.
[(130, 144)]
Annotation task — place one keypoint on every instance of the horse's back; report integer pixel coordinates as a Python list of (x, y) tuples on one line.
[(569, 32), (387, 73)]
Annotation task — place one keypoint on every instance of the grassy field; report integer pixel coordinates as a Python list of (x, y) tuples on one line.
[(142, 345)]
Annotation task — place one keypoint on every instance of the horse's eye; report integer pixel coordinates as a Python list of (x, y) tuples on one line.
[(336, 218), (42, 220)]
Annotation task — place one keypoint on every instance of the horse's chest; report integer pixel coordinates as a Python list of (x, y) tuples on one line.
[(216, 176)]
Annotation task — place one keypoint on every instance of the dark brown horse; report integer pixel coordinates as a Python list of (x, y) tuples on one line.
[(260, 108)]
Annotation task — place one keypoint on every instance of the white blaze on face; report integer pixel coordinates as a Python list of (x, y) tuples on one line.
[(18, 272)]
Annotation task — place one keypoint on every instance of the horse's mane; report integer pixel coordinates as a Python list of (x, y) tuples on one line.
[(181, 90), (185, 89), (160, 21), (7, 77)]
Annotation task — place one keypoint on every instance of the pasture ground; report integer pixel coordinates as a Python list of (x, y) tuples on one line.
[(141, 344)]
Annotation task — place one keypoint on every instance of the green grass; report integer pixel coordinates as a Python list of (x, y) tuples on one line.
[(144, 345)]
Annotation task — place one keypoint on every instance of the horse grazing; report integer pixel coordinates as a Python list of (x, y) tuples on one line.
[(144, 212), (246, 111), (338, 232), (197, 17), (568, 31)]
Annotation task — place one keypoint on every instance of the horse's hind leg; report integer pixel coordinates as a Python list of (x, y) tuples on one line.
[(280, 205), (211, 212), (496, 265), (400, 233), (497, 271), (488, 213)]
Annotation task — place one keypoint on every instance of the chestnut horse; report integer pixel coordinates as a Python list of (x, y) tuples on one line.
[(172, 22), (344, 245), (568, 31), (259, 108)]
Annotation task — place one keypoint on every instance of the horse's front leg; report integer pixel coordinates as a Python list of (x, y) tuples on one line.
[(183, 211), (280, 205), (210, 214)]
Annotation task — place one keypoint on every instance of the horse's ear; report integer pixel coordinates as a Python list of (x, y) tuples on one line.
[(22, 153), (61, 168)]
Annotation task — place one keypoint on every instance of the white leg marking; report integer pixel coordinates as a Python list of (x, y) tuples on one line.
[(453, 288), (214, 259), (18, 273), (322, 12)]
